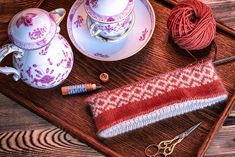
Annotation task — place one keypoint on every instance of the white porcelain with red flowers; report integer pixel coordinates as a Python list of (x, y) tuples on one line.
[(33, 28), (109, 19), (107, 11), (42, 58), (136, 39), (110, 30)]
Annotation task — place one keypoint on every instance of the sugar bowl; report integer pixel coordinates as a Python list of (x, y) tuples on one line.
[(42, 58), (110, 20)]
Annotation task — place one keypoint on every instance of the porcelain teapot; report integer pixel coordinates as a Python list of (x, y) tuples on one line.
[(42, 58)]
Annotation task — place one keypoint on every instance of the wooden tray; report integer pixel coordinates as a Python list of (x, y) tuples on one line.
[(159, 56)]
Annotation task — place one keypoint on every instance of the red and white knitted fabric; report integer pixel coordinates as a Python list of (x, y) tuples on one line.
[(167, 95)]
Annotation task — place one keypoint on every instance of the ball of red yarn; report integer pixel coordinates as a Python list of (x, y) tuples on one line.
[(192, 25)]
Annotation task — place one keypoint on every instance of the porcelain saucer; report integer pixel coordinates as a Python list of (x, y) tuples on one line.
[(94, 48)]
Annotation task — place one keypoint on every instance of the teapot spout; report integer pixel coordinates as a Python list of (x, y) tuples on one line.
[(58, 15)]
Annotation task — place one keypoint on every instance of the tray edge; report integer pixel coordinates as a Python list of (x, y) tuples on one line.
[(217, 126)]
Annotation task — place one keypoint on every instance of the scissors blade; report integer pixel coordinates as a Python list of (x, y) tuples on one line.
[(189, 131)]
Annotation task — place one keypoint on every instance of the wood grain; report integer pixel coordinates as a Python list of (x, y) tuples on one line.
[(224, 11), (216, 127), (23, 133), (221, 146), (16, 118), (43, 142), (159, 56)]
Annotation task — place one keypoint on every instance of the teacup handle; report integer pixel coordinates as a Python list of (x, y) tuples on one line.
[(17, 52), (92, 29), (58, 16)]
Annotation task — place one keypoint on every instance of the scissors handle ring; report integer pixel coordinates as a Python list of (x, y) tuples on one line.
[(149, 147)]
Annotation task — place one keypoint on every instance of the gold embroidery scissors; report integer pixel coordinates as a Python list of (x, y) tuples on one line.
[(165, 148)]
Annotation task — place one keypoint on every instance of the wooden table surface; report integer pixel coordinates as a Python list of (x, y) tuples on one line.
[(22, 133)]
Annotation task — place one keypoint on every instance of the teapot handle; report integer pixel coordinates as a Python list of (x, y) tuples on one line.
[(17, 52), (58, 15)]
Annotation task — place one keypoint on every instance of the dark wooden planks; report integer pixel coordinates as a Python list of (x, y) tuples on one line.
[(159, 56), (217, 126), (224, 11), (15, 118), (43, 142), (23, 134), (224, 144)]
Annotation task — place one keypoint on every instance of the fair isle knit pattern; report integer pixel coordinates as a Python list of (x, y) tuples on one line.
[(167, 95)]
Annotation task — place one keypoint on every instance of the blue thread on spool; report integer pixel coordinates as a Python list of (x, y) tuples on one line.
[(80, 88)]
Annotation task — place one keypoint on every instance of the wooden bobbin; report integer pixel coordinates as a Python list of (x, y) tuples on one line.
[(104, 77)]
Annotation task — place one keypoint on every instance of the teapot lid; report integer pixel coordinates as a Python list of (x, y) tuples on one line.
[(107, 11), (32, 28)]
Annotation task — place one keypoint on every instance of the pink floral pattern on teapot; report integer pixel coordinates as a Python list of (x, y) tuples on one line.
[(32, 28), (47, 61), (27, 20), (37, 33), (48, 69)]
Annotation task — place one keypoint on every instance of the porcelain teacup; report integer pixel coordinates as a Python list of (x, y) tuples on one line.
[(110, 21)]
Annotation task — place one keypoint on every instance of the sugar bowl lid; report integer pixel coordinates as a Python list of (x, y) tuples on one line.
[(107, 11), (32, 28)]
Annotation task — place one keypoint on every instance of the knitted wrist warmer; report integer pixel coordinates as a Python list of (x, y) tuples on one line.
[(163, 96)]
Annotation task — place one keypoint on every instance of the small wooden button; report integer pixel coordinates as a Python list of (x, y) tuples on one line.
[(104, 77)]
